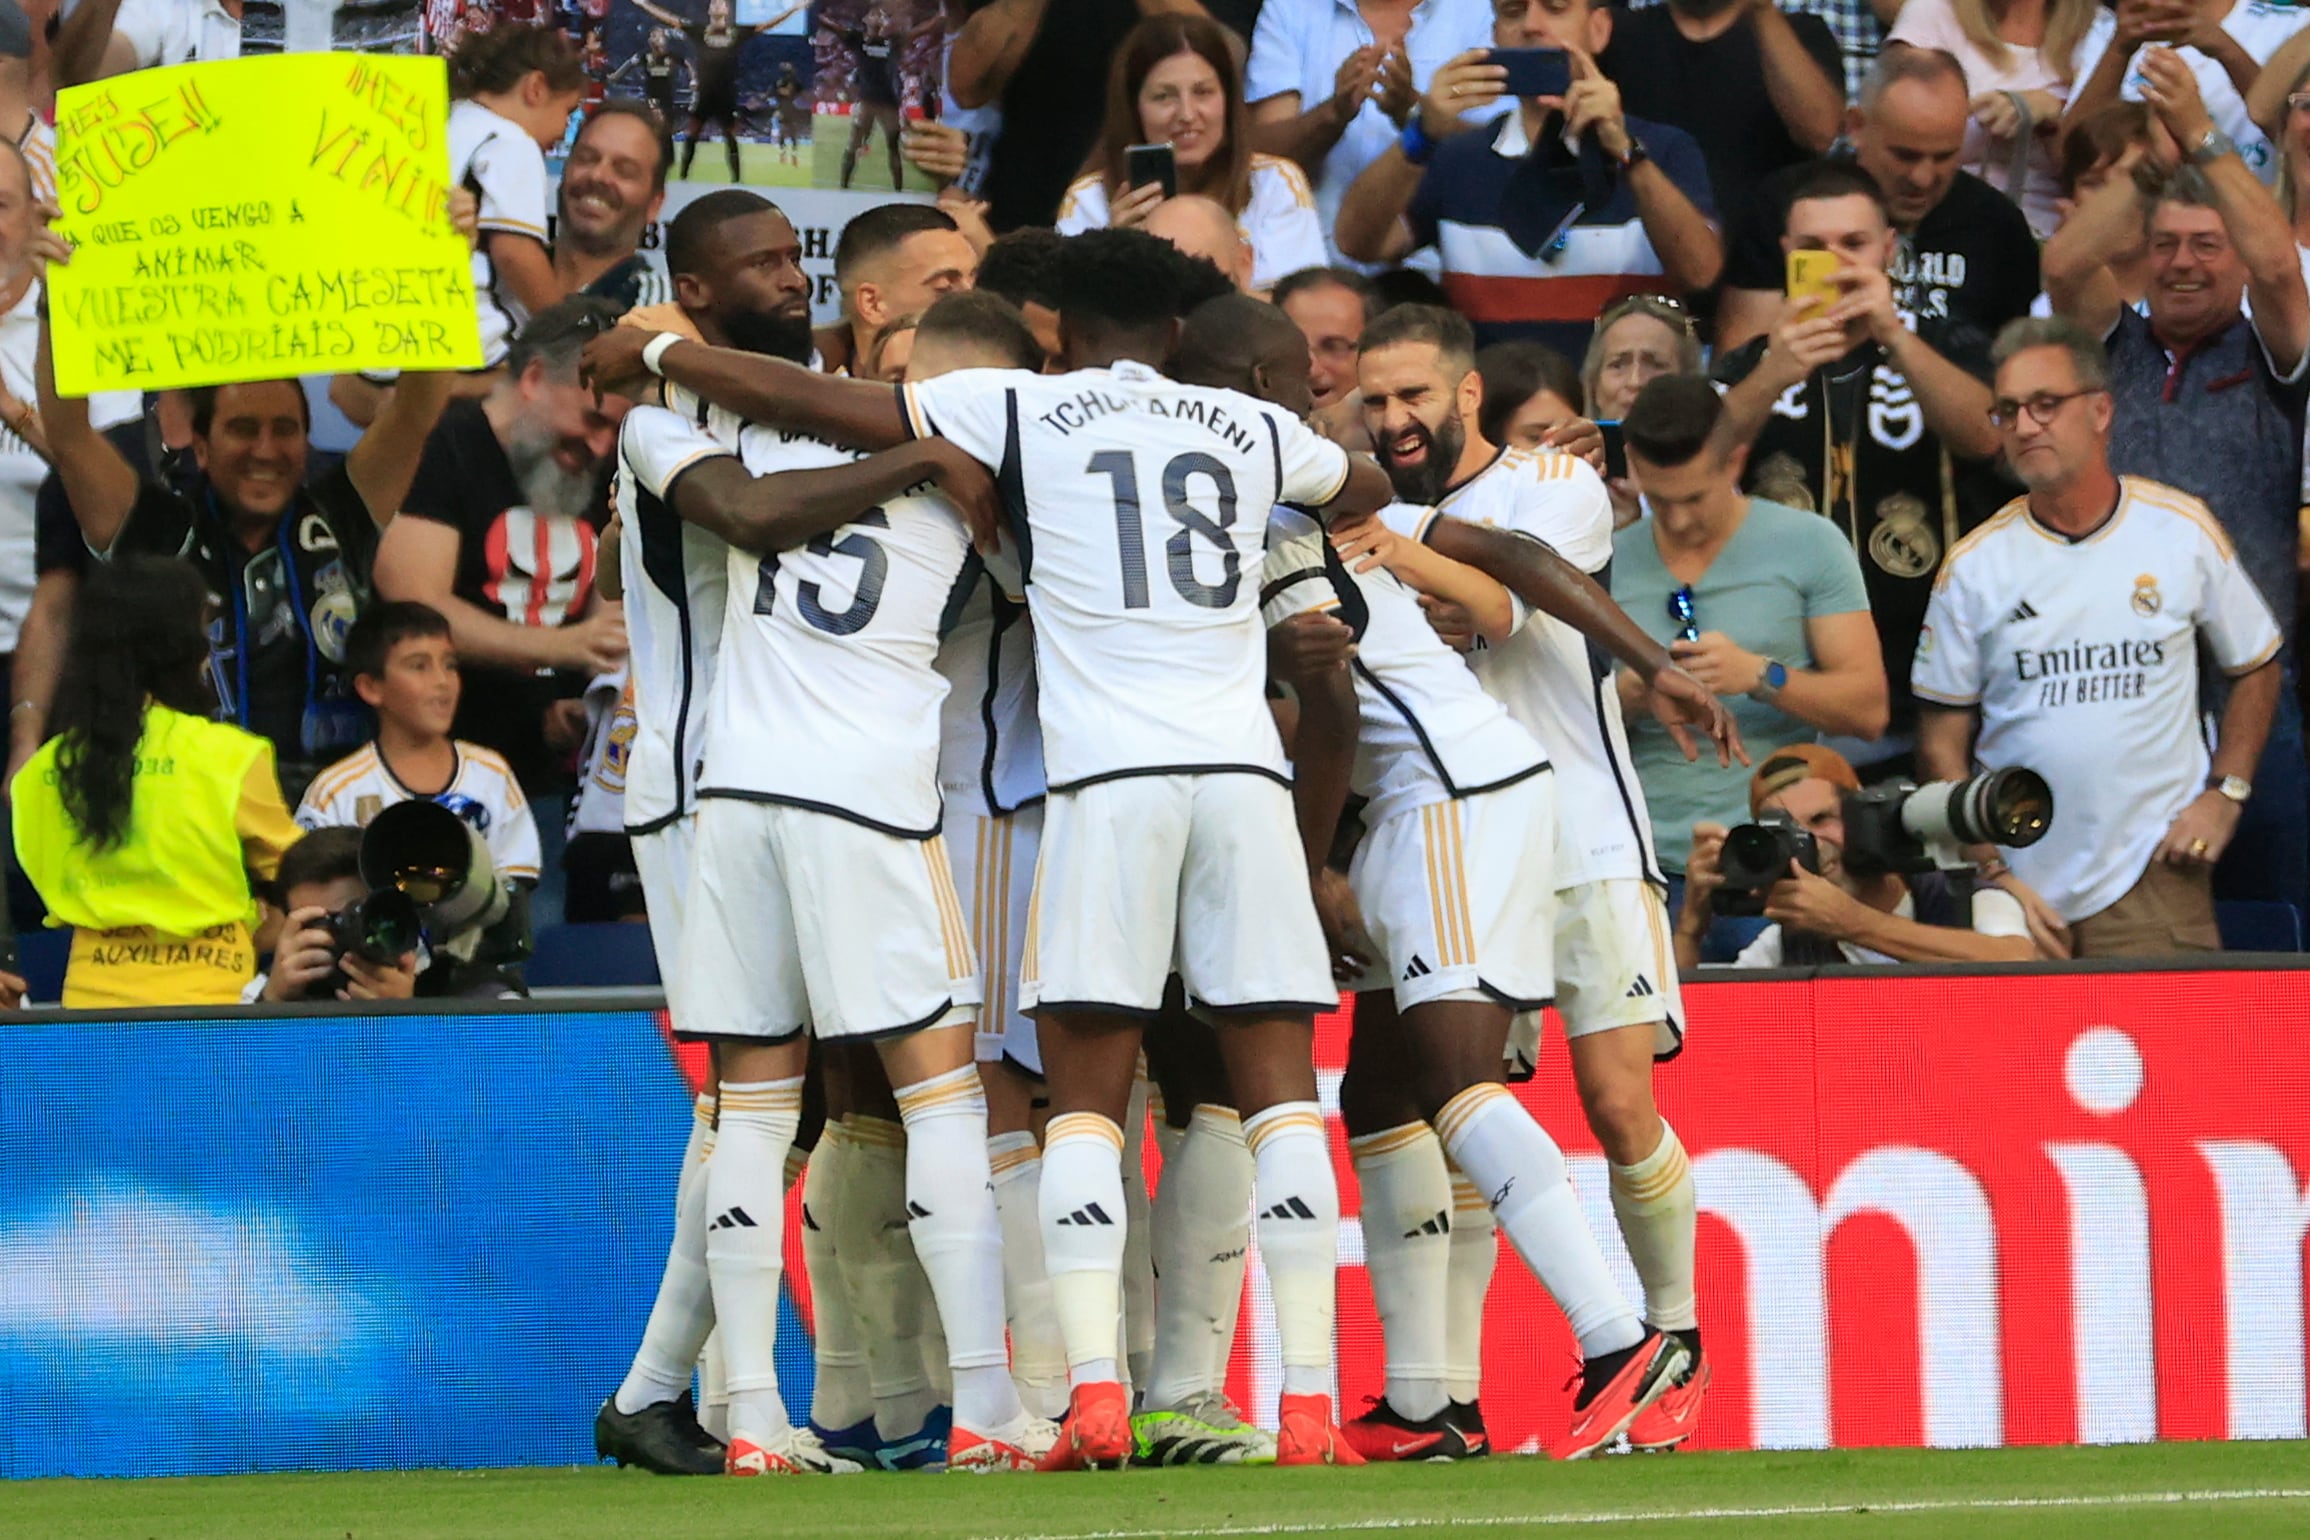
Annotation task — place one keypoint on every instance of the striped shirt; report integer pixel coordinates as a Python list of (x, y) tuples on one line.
[(1598, 253)]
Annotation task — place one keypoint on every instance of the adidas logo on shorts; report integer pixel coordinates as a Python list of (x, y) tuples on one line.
[(1418, 969), (1641, 988)]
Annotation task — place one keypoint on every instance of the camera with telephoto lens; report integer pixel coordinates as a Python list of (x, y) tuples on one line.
[(1757, 855), (431, 879), (1906, 828)]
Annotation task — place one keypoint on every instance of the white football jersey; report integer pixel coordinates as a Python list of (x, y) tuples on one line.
[(598, 806), (990, 757), (502, 165), (1552, 682), (2083, 657), (1428, 732), (826, 695), (482, 791), (1140, 506), (676, 584)]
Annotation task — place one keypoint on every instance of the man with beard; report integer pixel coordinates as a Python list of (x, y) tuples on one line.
[(499, 533), (1615, 979), (736, 266), (611, 190)]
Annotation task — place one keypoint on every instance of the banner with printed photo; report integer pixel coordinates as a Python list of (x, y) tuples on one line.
[(809, 94)]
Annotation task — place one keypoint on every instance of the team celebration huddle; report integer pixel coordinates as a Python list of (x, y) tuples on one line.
[(997, 735)]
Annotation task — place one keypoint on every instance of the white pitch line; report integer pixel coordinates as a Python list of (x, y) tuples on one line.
[(1668, 1515)]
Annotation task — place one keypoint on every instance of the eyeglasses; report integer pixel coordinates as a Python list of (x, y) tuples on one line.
[(1687, 617), (2042, 408), (2298, 102)]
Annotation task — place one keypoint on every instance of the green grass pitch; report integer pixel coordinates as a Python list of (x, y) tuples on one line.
[(2090, 1494)]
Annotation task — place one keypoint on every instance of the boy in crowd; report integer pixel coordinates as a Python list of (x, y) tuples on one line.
[(404, 668)]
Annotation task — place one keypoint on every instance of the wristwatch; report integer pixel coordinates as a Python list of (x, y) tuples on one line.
[(1769, 682), (1637, 155), (1415, 143), (2212, 147), (2236, 787)]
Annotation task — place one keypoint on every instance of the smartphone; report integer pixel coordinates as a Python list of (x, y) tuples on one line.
[(1144, 163), (1534, 71), (1615, 450), (1809, 280)]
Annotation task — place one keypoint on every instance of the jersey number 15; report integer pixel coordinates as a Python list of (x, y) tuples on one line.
[(865, 594)]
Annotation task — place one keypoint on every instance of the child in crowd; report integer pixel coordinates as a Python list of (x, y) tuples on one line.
[(404, 667)]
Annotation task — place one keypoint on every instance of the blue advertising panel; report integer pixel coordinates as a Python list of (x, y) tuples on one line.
[(329, 1241)]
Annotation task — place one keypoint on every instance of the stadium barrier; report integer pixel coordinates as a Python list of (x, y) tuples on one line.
[(1938, 1207)]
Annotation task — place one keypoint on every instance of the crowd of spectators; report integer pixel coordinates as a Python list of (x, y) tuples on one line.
[(2058, 256)]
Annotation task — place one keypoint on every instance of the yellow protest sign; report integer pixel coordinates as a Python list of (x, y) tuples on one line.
[(256, 218)]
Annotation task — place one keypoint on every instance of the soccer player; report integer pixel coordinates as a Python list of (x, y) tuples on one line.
[(736, 266), (821, 900), (1450, 893), (1615, 973), (1167, 831), (991, 778)]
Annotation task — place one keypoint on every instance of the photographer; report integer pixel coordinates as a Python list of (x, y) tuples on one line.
[(321, 876), (1832, 915)]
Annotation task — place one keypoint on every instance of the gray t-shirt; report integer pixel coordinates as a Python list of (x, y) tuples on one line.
[(1780, 569)]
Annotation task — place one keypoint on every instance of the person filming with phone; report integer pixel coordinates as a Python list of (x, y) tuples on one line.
[(1828, 902), (1847, 412), (1176, 125), (1544, 214)]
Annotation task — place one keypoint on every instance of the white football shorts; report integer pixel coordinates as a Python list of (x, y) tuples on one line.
[(800, 920), (1615, 967), (994, 872), (663, 857), (1146, 871), (1459, 899)]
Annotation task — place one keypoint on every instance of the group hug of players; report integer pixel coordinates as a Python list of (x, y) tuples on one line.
[(963, 714)]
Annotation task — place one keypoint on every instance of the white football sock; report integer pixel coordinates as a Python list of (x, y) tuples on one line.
[(1511, 1157), (683, 1312), (1475, 1252), (1407, 1219), (1083, 1217), (1038, 1353), (842, 1395), (714, 1387), (1654, 1202), (1202, 1223), (1298, 1207), (1138, 1241), (870, 1236), (950, 1198), (746, 1224)]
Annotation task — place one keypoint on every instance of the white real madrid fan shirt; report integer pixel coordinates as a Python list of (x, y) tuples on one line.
[(2082, 656)]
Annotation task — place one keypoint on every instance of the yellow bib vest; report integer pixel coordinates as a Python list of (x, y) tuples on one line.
[(162, 918)]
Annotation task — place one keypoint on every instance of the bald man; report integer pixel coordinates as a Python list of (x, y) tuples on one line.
[(1202, 227)]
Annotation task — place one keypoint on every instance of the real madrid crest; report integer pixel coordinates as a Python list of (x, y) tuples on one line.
[(1782, 480), (332, 617), (2147, 599), (1904, 543)]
